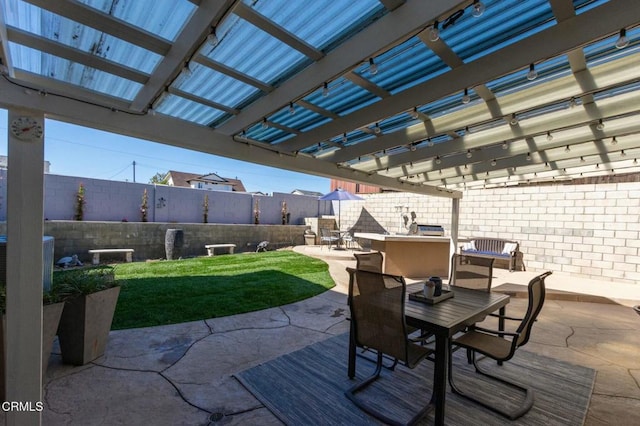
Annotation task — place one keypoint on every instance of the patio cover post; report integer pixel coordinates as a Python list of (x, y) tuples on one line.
[(455, 223), (25, 189)]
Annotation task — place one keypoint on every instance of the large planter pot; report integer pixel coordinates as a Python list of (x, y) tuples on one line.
[(50, 320), (173, 242), (85, 325)]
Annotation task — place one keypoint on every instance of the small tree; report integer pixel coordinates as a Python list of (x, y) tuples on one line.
[(144, 208), (284, 212), (159, 178), (205, 209), (80, 203), (256, 213)]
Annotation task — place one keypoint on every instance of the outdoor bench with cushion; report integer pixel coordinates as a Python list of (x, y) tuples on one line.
[(495, 248)]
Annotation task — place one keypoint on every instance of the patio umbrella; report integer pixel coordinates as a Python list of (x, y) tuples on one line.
[(339, 195)]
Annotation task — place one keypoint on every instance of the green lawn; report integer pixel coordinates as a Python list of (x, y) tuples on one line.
[(170, 292)]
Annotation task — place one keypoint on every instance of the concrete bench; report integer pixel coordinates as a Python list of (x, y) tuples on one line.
[(211, 248), (96, 254)]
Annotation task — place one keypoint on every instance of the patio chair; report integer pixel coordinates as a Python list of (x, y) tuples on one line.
[(327, 238), (369, 261), (366, 262), (471, 272), (376, 302), (348, 240), (501, 346)]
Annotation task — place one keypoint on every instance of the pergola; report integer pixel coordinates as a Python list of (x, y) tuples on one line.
[(430, 97)]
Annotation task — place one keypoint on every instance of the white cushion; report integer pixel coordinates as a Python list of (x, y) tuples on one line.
[(471, 245), (508, 248)]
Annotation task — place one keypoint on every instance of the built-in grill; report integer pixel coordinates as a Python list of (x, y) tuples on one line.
[(431, 230)]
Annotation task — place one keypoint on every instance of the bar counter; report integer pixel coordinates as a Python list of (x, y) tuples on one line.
[(412, 256)]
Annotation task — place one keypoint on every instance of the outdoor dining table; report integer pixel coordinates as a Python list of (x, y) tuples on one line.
[(444, 320)]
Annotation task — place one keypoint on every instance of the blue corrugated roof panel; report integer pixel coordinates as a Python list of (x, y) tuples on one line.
[(343, 97), (37, 62), (214, 86), (70, 33), (253, 52), (163, 18), (320, 23), (300, 120), (503, 23), (605, 50), (185, 109), (404, 66)]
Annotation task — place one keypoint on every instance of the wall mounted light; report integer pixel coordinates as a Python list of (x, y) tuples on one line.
[(469, 153), (264, 123), (567, 149), (549, 136), (292, 109), (438, 160), (514, 119), (600, 125), (414, 113), (377, 129), (614, 141), (325, 89), (344, 137)]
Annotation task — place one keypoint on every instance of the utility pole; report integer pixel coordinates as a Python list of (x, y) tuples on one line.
[(134, 172)]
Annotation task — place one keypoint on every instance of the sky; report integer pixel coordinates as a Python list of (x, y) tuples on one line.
[(80, 151)]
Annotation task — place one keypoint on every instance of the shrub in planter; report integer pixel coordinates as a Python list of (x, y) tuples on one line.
[(90, 296), (52, 306)]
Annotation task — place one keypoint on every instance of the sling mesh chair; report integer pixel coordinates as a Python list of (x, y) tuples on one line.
[(369, 261), (377, 303), (327, 238), (471, 272), (501, 346), (366, 262)]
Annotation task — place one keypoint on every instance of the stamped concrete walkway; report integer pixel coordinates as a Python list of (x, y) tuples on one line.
[(183, 374)]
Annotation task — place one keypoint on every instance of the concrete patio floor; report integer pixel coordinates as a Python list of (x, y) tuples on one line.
[(183, 373)]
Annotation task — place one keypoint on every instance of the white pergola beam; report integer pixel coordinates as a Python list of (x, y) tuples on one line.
[(250, 15), (190, 38), (93, 18), (183, 134), (60, 50)]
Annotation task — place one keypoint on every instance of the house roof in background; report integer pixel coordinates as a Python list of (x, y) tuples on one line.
[(305, 192), (184, 179), (366, 91)]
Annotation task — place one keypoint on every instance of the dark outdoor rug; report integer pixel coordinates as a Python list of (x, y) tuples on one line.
[(307, 387)]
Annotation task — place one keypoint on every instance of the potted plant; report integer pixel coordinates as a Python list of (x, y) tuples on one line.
[(52, 306), (90, 297)]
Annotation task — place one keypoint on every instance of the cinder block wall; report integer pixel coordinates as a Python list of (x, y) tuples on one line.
[(147, 239), (121, 201), (589, 230)]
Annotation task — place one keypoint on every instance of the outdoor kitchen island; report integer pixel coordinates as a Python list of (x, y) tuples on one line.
[(412, 256)]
